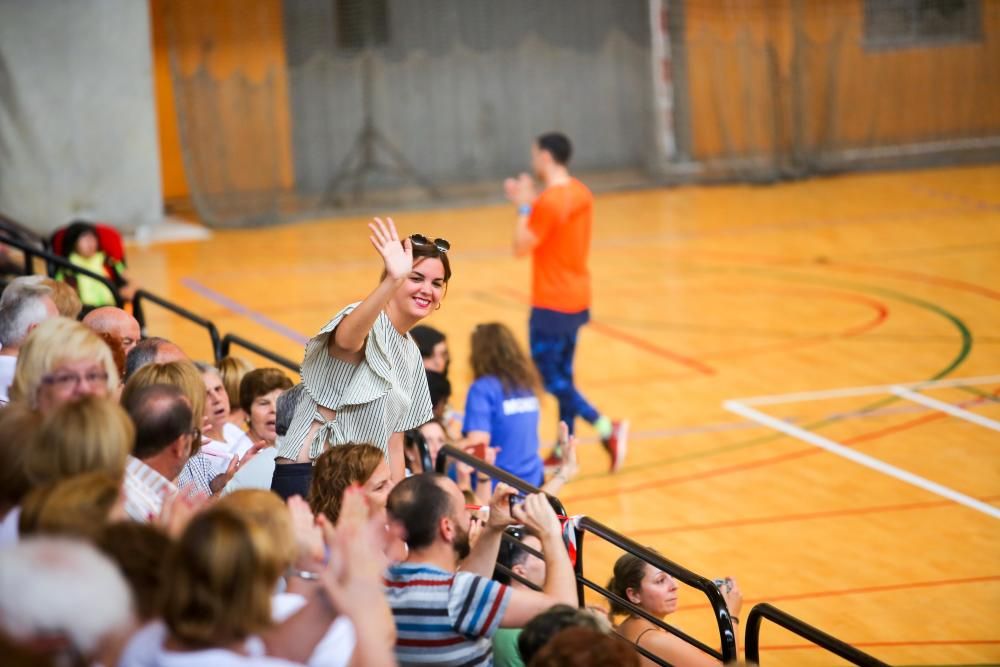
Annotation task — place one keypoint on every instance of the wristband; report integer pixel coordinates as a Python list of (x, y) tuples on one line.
[(302, 574), (524, 209)]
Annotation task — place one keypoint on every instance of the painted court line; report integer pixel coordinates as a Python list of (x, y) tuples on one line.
[(240, 309), (863, 459), (848, 392), (952, 410)]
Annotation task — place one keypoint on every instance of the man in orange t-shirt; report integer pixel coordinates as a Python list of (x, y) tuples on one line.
[(554, 227)]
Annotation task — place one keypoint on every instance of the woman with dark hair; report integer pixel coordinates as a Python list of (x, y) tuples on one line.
[(363, 373), (501, 408), (655, 591), (259, 391)]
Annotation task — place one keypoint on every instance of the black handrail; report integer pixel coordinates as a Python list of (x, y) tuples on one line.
[(479, 465), (449, 451), (727, 636), (804, 630), (12, 226), (140, 316), (30, 252), (231, 339)]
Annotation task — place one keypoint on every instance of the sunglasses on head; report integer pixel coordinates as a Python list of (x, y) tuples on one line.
[(442, 245)]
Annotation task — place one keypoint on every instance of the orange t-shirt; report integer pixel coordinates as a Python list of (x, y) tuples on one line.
[(561, 219)]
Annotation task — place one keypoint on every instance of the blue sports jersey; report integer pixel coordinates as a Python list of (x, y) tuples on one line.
[(511, 419)]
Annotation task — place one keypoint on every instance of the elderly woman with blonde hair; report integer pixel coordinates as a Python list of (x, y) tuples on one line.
[(62, 360)]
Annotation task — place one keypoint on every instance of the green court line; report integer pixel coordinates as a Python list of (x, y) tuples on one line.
[(963, 353)]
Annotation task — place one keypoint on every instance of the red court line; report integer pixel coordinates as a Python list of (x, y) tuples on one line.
[(760, 463), (848, 267), (805, 516), (864, 590), (635, 341), (881, 314), (612, 332), (920, 277), (898, 644)]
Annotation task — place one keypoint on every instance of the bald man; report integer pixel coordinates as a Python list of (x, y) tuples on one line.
[(117, 323)]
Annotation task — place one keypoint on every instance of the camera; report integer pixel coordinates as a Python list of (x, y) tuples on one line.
[(515, 500)]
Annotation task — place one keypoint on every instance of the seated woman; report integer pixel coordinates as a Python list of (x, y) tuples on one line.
[(223, 440), (259, 391), (61, 361), (656, 592), (341, 467)]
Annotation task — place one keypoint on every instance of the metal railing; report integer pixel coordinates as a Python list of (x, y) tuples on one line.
[(479, 465), (727, 636), (231, 339), (586, 525), (138, 312), (16, 236), (814, 635), (32, 252)]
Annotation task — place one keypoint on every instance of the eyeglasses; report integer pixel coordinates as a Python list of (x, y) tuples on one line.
[(442, 245), (70, 381)]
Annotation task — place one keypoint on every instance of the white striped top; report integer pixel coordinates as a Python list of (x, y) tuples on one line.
[(385, 393)]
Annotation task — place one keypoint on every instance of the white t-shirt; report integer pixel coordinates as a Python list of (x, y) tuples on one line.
[(337, 645), (256, 474), (145, 648), (237, 439), (234, 443)]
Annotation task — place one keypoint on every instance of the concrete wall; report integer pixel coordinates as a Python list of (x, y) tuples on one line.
[(77, 119)]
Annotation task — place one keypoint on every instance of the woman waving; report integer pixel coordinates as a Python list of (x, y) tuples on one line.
[(363, 374)]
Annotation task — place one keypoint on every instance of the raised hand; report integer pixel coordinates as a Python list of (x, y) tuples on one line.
[(538, 516), (308, 535), (520, 190), (178, 508), (398, 257), (500, 506), (570, 466)]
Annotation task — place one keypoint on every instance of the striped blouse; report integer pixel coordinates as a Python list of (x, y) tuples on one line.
[(385, 393)]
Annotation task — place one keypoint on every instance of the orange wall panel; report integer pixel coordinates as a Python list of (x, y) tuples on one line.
[(238, 46)]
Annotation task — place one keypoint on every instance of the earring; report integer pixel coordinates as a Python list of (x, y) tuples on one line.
[(438, 306)]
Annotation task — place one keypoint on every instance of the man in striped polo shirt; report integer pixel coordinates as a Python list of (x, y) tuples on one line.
[(445, 605)]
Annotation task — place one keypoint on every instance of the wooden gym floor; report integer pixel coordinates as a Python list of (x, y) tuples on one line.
[(703, 295)]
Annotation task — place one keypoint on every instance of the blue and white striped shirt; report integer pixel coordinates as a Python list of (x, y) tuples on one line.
[(444, 618)]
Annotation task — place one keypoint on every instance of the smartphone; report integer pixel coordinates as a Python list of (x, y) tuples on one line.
[(514, 501), (478, 450)]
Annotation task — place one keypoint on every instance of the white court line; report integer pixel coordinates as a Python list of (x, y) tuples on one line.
[(952, 410), (848, 392), (865, 460)]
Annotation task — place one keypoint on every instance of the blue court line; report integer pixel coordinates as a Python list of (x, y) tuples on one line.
[(240, 309)]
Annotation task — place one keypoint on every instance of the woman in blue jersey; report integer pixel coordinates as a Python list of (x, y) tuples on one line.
[(501, 408)]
